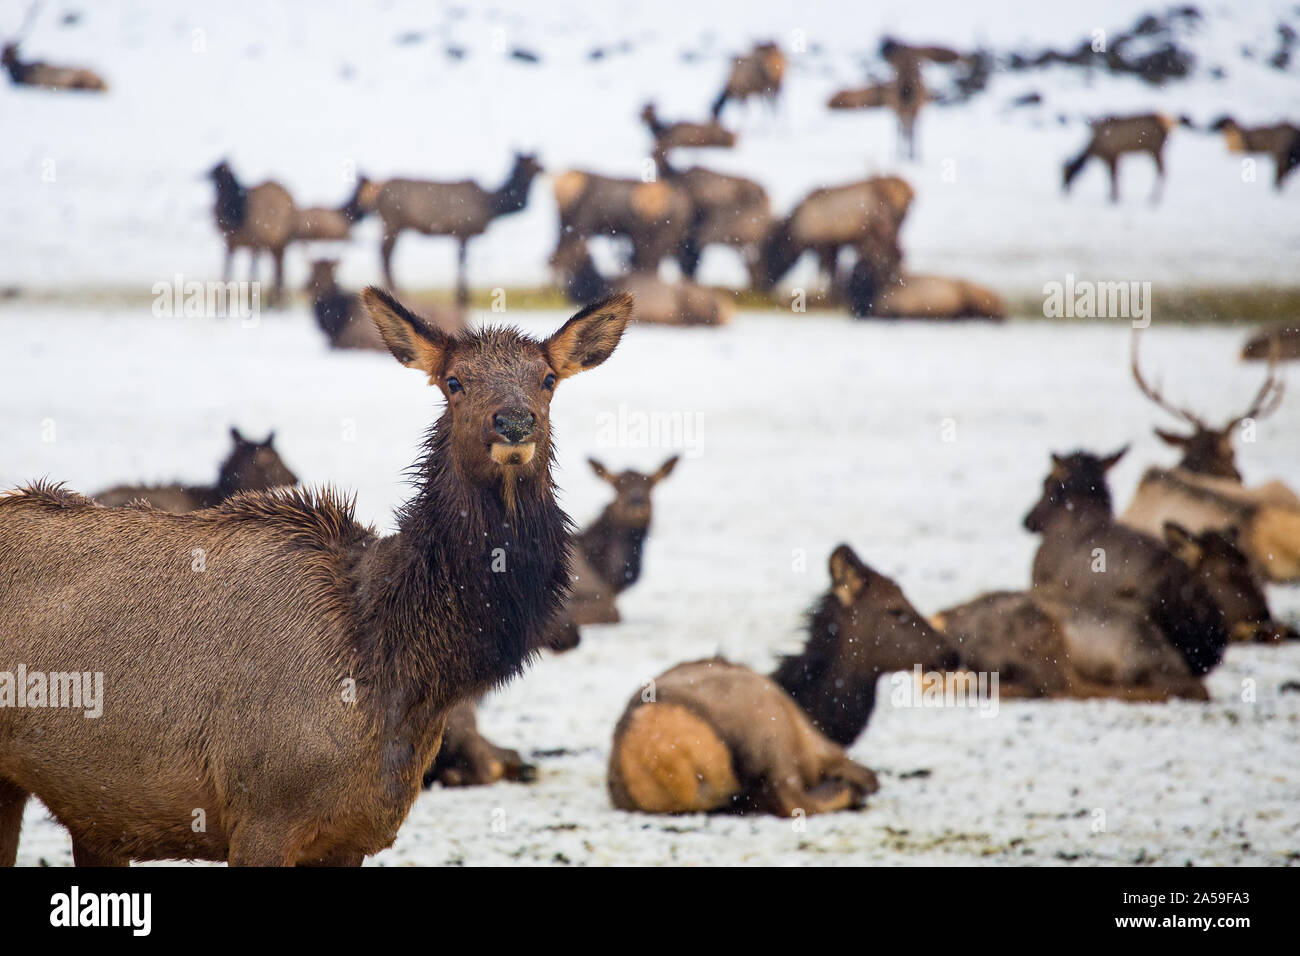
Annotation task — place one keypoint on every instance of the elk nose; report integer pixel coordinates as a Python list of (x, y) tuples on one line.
[(514, 426)]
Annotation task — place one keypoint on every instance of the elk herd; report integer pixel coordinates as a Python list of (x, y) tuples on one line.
[(303, 690)]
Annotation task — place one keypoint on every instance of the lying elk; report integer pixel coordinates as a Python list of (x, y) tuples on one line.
[(250, 466), (658, 302), (711, 735), (1281, 142), (861, 628), (1206, 491), (909, 296), (340, 314), (1283, 344), (461, 210), (320, 223), (1088, 559), (48, 77), (865, 216), (670, 136), (653, 216), (260, 219), (350, 650), (757, 73), (468, 759), (1114, 136), (726, 210)]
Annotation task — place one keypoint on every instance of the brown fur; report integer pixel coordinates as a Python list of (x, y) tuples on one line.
[(679, 135), (250, 466), (757, 73), (266, 223), (296, 689), (321, 223), (937, 297), (461, 210), (717, 736), (468, 759), (727, 210), (1281, 142), (48, 77), (1280, 344), (653, 216), (1115, 136)]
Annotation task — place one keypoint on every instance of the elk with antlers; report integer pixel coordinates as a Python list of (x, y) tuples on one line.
[(1205, 490)]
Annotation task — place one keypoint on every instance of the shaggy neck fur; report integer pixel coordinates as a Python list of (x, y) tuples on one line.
[(450, 614), (232, 201), (615, 549), (838, 701)]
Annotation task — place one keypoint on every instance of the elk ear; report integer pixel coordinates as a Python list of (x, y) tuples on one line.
[(589, 337), (1110, 461), (600, 470), (1182, 543), (270, 440), (234, 434), (665, 470), (848, 575), (413, 342), (1171, 438)]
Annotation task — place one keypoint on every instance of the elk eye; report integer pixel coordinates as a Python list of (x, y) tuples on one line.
[(549, 381), (453, 385)]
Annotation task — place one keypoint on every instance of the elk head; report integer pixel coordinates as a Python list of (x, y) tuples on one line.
[(631, 505), (1077, 482), (1208, 450), (322, 280), (253, 466), (1215, 557), (498, 384)]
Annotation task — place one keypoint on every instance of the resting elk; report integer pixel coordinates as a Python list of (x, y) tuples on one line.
[(1206, 491), (294, 691)]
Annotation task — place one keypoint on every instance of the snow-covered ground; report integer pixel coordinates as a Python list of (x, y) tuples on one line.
[(105, 191), (808, 431)]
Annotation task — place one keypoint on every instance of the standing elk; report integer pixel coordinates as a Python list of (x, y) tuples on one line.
[(260, 219), (321, 223), (657, 302), (865, 216), (1088, 559), (250, 466), (1206, 491), (757, 73), (1114, 136), (717, 736), (727, 210), (654, 216), (296, 691), (461, 210), (1281, 142), (614, 543)]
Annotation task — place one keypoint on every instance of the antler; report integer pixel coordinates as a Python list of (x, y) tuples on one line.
[(1269, 396), (1154, 394)]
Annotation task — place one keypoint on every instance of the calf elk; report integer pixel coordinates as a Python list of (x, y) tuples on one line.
[(461, 210), (1114, 136), (1205, 490), (250, 466), (294, 692)]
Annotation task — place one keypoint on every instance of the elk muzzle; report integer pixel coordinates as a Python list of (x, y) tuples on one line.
[(516, 427)]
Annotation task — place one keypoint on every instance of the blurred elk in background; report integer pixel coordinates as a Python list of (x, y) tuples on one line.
[(727, 210), (1115, 136), (250, 466), (462, 210), (1281, 142), (260, 219), (468, 759), (756, 73), (46, 76), (321, 223), (1205, 490), (340, 314), (670, 136), (653, 216)]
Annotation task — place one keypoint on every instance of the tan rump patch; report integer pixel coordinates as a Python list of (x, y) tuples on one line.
[(568, 186), (1275, 543), (1236, 143), (672, 761), (650, 201)]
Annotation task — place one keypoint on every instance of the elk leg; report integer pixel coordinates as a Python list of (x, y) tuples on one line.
[(12, 800), (386, 259), (1159, 188), (826, 797), (337, 859), (462, 287), (1113, 164), (83, 857), (260, 842), (277, 261), (229, 264)]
